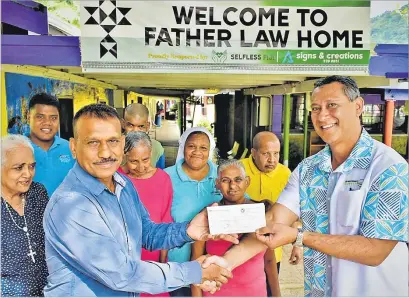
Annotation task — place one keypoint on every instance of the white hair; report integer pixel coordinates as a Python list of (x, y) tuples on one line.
[(231, 163), (10, 142)]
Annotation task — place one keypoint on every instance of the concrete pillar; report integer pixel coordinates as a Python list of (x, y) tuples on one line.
[(388, 121), (286, 131)]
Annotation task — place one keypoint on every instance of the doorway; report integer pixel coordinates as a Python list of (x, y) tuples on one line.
[(66, 116)]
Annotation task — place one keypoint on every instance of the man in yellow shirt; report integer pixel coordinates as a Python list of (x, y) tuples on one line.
[(268, 177)]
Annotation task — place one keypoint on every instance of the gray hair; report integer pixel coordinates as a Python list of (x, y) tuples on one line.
[(10, 142), (136, 138), (231, 163), (351, 89)]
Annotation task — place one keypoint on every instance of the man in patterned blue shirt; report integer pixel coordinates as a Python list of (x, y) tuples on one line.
[(352, 199)]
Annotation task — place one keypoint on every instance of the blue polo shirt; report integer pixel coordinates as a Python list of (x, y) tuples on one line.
[(189, 198), (53, 165)]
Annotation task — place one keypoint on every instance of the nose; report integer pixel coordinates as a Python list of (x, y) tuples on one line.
[(27, 172), (104, 151), (323, 114)]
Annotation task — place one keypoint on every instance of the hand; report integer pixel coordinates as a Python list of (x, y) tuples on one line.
[(296, 255), (198, 229), (276, 235), (220, 261), (214, 274)]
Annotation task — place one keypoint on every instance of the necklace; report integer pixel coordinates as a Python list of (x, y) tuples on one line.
[(24, 229)]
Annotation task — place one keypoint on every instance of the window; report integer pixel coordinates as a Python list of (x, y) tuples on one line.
[(372, 117)]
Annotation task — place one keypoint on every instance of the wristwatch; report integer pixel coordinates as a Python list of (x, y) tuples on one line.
[(300, 236)]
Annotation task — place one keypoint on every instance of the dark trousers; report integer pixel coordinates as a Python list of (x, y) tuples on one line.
[(268, 285), (182, 292)]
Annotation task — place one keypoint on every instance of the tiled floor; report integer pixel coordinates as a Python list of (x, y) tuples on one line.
[(291, 276)]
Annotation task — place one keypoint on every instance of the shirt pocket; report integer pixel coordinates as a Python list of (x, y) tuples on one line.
[(349, 204)]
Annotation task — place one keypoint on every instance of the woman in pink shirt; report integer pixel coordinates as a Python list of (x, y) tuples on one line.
[(249, 279), (153, 185)]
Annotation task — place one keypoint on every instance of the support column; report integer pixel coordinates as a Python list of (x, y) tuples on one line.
[(245, 121), (286, 130), (388, 121), (306, 113)]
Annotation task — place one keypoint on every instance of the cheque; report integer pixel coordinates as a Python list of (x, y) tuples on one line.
[(244, 218)]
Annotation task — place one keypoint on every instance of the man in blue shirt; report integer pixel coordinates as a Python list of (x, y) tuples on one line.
[(51, 153), (95, 225)]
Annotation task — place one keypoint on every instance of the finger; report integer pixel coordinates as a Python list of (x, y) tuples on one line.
[(222, 279), (226, 273), (218, 285), (230, 238), (263, 231), (214, 260)]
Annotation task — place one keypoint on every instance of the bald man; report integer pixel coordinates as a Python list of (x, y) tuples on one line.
[(267, 176), (136, 118)]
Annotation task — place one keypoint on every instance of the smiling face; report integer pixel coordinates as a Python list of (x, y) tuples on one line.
[(44, 122), (196, 152), (98, 146), (138, 161), (335, 117), (233, 184), (18, 171)]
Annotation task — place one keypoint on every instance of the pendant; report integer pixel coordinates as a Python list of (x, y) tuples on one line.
[(25, 229)]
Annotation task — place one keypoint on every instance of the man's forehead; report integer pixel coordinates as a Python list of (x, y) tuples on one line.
[(135, 118), (45, 109), (231, 171), (92, 126)]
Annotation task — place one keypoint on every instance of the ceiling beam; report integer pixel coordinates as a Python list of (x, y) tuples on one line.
[(307, 86)]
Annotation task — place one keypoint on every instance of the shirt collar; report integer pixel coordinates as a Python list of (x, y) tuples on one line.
[(360, 157), (93, 184), (255, 171), (184, 177), (57, 142)]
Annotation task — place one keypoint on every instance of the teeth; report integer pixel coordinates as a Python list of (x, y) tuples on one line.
[(45, 129), (328, 126)]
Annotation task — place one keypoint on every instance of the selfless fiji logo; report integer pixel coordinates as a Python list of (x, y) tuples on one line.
[(65, 158), (219, 57)]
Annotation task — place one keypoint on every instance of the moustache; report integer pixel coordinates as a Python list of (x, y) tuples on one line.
[(107, 160)]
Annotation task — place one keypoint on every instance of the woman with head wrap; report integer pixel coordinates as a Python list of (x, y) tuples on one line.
[(193, 180), (152, 184)]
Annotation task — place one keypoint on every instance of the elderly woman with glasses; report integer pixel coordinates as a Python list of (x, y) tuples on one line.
[(23, 266), (152, 184)]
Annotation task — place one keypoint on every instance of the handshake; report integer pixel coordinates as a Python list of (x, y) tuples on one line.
[(215, 272)]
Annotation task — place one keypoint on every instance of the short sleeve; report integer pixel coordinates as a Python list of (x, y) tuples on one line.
[(385, 210), (290, 196)]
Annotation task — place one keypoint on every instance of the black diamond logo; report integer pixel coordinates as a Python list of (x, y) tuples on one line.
[(108, 28), (91, 21), (124, 21), (90, 10)]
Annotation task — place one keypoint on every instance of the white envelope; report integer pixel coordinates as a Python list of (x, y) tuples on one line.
[(231, 219)]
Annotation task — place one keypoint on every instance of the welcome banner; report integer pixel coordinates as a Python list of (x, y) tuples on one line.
[(225, 36)]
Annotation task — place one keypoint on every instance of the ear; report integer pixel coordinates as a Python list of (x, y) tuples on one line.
[(122, 123), (148, 124), (359, 105), (218, 183), (72, 148), (253, 152), (248, 180)]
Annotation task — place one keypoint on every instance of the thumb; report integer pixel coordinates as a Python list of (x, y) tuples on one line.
[(214, 260), (214, 204), (263, 231)]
